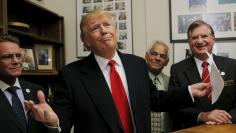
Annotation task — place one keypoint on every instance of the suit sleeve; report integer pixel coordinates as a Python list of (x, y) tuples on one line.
[(172, 99), (62, 103), (183, 116)]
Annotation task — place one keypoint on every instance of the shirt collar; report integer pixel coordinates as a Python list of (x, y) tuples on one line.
[(4, 86), (152, 76), (199, 62), (102, 62)]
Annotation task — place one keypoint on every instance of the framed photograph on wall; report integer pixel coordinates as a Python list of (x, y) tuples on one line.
[(28, 59), (121, 10), (220, 14), (44, 57)]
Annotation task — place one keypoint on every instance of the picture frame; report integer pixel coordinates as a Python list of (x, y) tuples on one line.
[(28, 59), (121, 10), (44, 57), (220, 14)]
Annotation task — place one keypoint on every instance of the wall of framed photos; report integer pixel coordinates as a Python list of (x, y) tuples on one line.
[(220, 14), (121, 10)]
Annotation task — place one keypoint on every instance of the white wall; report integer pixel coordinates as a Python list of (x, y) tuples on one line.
[(67, 9), (150, 20), (150, 23)]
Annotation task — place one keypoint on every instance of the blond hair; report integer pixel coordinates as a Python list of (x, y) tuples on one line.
[(91, 15)]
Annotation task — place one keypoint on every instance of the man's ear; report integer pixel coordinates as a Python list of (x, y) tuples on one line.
[(86, 44), (146, 56), (214, 38)]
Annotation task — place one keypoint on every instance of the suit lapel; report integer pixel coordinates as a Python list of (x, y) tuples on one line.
[(219, 63), (130, 80), (193, 76), (191, 72), (99, 92), (7, 110), (166, 81), (30, 93)]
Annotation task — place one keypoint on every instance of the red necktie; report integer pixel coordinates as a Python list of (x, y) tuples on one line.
[(120, 99), (206, 77)]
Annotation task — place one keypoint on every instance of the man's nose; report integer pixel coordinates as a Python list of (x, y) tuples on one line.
[(199, 39), (16, 59), (103, 29), (157, 57)]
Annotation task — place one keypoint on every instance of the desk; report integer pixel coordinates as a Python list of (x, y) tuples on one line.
[(224, 128)]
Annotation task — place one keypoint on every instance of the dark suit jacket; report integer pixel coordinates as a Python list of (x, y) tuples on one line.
[(8, 119), (186, 72), (82, 97)]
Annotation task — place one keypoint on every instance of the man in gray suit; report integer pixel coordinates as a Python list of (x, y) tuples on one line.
[(157, 58)]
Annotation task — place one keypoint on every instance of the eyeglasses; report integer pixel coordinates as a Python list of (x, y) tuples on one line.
[(11, 57)]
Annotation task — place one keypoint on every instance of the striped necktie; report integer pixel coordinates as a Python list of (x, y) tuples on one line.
[(206, 77)]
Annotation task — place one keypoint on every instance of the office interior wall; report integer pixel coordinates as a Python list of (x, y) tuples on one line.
[(67, 9), (150, 22)]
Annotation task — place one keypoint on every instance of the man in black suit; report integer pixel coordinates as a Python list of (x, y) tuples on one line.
[(85, 96), (201, 38), (10, 70)]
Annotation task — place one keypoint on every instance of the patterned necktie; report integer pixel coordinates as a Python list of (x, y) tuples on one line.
[(156, 81), (156, 116), (120, 98), (206, 77), (17, 107)]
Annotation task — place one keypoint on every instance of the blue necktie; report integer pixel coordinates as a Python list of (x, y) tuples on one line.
[(17, 107)]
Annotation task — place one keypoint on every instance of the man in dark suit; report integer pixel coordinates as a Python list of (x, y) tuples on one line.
[(85, 96), (10, 70), (189, 71)]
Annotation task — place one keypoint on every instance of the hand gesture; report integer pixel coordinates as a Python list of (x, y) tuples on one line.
[(200, 89), (42, 111)]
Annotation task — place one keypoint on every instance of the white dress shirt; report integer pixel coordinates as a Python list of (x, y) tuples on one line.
[(199, 64), (4, 86), (105, 68), (103, 64)]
